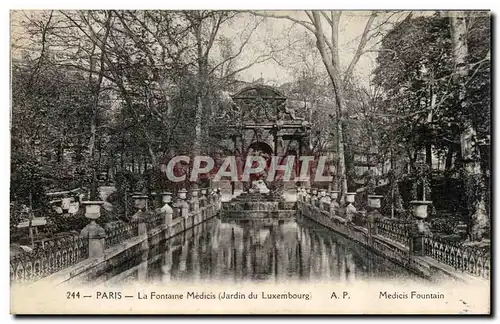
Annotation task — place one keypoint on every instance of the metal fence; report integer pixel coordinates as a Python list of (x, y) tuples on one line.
[(47, 260), (121, 231), (395, 230), (462, 258)]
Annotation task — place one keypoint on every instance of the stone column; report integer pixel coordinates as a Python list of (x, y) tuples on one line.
[(93, 231), (373, 215), (350, 210), (65, 204), (419, 228), (219, 200), (195, 206), (334, 205), (314, 197), (203, 197), (141, 216), (167, 211), (324, 200), (183, 206)]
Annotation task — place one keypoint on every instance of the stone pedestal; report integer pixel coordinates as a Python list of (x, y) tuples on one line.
[(334, 205), (96, 236), (419, 228), (324, 200), (314, 197), (93, 231), (373, 213), (141, 204), (166, 209), (183, 206), (203, 197), (350, 210)]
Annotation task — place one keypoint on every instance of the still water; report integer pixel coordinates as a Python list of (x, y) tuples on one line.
[(222, 249)]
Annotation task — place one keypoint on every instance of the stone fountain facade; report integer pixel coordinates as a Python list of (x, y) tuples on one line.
[(258, 203)]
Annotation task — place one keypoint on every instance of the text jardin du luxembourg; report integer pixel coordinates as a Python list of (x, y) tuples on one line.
[(224, 295)]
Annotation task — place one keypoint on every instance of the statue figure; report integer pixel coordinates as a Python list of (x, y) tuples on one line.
[(284, 110), (259, 186)]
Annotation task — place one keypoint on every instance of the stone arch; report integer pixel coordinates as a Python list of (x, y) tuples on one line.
[(260, 146)]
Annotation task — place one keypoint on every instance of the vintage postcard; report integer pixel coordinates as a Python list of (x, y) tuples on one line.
[(250, 162)]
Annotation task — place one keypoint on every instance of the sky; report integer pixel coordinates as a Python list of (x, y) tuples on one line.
[(352, 24), (290, 41)]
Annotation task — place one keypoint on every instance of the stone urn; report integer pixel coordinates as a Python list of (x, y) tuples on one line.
[(349, 197), (419, 208), (166, 197), (194, 193), (92, 208), (140, 201), (334, 194), (93, 231), (65, 204), (374, 201)]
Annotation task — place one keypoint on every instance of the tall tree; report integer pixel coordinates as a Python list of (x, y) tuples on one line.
[(327, 43), (473, 177)]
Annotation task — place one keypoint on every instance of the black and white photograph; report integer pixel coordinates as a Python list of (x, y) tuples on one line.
[(250, 161)]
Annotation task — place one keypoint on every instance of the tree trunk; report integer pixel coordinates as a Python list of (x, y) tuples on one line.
[(202, 71), (94, 162), (332, 66), (449, 158), (473, 179)]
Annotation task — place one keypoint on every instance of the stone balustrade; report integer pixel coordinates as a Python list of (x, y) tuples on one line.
[(147, 226), (408, 242)]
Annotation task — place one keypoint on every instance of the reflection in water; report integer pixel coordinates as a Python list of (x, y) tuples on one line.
[(222, 250)]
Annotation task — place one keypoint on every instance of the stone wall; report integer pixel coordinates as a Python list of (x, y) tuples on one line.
[(162, 225), (394, 242)]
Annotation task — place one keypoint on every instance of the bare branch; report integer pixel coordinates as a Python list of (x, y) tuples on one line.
[(361, 46)]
